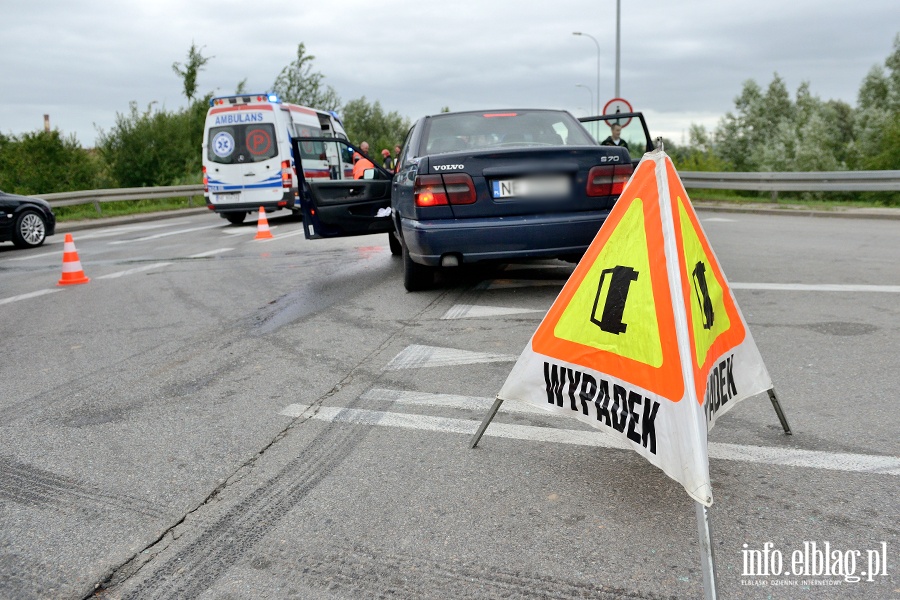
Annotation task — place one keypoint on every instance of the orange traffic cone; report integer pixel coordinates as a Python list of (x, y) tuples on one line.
[(72, 272), (262, 226)]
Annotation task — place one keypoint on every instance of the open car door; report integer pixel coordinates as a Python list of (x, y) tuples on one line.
[(333, 204), (634, 131)]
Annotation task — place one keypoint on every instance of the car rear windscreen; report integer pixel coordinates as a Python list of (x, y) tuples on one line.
[(475, 131), (238, 144)]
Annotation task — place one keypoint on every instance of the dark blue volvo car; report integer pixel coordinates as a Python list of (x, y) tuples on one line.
[(482, 186)]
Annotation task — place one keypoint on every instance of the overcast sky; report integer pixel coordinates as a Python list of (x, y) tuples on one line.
[(82, 61)]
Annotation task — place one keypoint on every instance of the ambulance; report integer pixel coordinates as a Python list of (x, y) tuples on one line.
[(248, 161)]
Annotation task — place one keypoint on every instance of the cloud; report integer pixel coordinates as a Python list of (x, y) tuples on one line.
[(82, 62)]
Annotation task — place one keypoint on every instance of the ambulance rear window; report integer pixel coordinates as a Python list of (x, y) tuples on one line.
[(237, 144)]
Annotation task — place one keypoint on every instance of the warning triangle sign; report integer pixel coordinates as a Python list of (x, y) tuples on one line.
[(645, 341), (615, 314)]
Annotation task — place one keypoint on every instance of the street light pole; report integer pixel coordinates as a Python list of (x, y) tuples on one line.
[(598, 65), (590, 93), (618, 46)]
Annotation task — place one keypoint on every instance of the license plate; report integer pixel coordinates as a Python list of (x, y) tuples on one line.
[(227, 197), (554, 186)]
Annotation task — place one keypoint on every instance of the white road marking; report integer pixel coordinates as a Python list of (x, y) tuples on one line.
[(246, 230), (165, 234), (473, 403), (134, 270), (29, 295), (126, 229), (469, 311), (417, 356), (211, 253), (282, 236), (41, 255), (788, 457), (820, 287), (506, 284)]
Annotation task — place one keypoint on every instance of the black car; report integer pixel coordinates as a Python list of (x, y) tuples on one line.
[(24, 220), (477, 186)]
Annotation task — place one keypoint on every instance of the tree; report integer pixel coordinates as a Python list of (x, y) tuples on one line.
[(298, 84), (368, 122), (191, 68)]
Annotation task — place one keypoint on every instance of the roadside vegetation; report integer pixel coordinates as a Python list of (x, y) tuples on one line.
[(768, 130)]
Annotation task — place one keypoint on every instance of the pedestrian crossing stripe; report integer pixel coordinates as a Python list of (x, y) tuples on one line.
[(614, 315), (714, 324)]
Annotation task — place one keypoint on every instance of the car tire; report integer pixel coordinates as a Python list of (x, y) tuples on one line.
[(394, 243), (416, 277), (235, 218), (30, 229)]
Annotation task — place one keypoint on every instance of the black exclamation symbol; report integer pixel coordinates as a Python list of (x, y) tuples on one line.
[(703, 298), (619, 282)]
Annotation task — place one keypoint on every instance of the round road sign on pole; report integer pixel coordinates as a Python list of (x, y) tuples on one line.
[(618, 105)]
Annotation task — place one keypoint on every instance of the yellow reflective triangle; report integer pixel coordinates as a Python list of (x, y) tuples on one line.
[(598, 314), (709, 319)]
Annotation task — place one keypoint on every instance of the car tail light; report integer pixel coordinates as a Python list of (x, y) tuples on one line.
[(287, 177), (205, 182), (429, 191), (608, 180), (460, 188)]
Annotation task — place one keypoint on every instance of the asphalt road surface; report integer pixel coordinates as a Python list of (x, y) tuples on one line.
[(214, 416)]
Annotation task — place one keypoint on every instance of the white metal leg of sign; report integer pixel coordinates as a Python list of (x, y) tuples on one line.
[(708, 563), (487, 421), (780, 412)]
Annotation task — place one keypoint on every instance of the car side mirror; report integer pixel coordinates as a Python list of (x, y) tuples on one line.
[(369, 174)]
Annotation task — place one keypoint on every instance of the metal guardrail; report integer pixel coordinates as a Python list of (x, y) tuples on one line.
[(95, 197), (809, 181)]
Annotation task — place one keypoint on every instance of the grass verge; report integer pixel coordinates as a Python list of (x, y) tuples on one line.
[(125, 207)]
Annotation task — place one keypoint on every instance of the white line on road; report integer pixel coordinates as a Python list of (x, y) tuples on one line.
[(820, 287), (41, 255), (156, 236), (470, 311), (211, 253), (134, 270), (789, 457), (473, 403), (418, 356), (29, 295), (245, 230), (126, 229), (284, 235)]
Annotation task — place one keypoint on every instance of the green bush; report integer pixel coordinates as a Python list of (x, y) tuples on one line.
[(43, 162), (153, 148)]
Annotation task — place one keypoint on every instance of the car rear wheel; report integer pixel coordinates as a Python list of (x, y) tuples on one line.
[(416, 277), (394, 243), (30, 230), (235, 218)]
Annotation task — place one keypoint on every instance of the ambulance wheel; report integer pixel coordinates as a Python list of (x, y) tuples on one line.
[(30, 230), (416, 277), (394, 243), (235, 218)]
